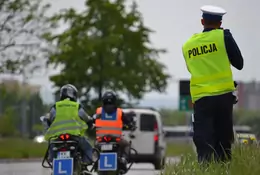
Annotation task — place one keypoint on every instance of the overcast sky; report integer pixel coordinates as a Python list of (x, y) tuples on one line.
[(175, 21)]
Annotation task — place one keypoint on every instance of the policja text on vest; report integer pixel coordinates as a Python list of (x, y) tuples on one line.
[(202, 50)]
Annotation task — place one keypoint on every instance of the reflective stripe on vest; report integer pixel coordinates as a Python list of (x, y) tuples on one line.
[(109, 127), (102, 131), (62, 129), (207, 61), (66, 120)]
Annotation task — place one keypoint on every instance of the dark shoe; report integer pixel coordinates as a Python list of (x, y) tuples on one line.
[(123, 165), (85, 170), (85, 166), (86, 173)]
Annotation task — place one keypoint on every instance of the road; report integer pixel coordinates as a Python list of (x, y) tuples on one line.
[(34, 168)]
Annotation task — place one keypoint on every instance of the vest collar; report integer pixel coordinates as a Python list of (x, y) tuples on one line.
[(208, 29)]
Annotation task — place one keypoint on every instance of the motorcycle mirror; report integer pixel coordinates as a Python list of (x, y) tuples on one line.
[(98, 116)]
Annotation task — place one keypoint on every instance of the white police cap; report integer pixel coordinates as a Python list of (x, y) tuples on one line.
[(213, 10)]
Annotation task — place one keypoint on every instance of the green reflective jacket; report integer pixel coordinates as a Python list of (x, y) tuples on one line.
[(66, 120)]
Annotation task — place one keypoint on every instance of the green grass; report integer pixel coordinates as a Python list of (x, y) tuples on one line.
[(178, 149), (246, 161), (18, 148)]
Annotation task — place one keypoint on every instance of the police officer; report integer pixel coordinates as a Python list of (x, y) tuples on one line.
[(110, 120), (208, 56), (67, 116)]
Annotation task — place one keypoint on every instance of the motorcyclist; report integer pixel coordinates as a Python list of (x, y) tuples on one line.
[(110, 111), (68, 116)]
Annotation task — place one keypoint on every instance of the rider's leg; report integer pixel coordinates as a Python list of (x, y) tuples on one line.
[(124, 148), (86, 147), (50, 153)]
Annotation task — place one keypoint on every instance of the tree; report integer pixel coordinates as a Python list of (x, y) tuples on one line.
[(22, 23), (8, 123), (106, 47), (13, 94)]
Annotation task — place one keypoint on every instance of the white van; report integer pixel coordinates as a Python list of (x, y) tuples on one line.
[(148, 139)]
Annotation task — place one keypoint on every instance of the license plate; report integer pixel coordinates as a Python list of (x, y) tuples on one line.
[(106, 147), (63, 155)]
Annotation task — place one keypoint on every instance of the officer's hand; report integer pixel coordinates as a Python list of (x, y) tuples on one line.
[(235, 99), (235, 95)]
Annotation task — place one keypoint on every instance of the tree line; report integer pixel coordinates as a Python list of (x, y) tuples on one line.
[(20, 109), (106, 46)]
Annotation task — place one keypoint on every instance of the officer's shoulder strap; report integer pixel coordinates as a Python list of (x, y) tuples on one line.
[(194, 35), (189, 40)]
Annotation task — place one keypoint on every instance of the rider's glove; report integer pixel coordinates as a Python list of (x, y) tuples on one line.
[(132, 126)]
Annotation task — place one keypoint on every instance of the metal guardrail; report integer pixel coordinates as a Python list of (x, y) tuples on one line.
[(140, 107)]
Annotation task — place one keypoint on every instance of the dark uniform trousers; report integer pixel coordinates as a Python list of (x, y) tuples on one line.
[(213, 127)]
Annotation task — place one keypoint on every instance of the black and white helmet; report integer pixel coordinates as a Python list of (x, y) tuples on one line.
[(69, 91)]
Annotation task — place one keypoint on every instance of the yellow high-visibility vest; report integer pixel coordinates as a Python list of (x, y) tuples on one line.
[(67, 120), (207, 61)]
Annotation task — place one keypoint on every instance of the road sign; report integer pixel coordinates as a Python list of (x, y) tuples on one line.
[(185, 103), (63, 166), (107, 162)]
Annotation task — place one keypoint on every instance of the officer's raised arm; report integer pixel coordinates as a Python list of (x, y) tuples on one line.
[(233, 51)]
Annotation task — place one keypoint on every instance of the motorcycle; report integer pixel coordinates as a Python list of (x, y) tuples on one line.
[(66, 156), (110, 156)]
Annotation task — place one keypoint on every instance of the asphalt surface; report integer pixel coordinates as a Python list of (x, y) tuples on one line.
[(34, 168)]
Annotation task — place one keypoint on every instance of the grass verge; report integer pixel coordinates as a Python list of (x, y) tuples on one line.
[(178, 149), (18, 148), (245, 162)]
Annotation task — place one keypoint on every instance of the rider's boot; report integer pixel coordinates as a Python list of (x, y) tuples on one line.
[(85, 170), (123, 163), (86, 173)]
